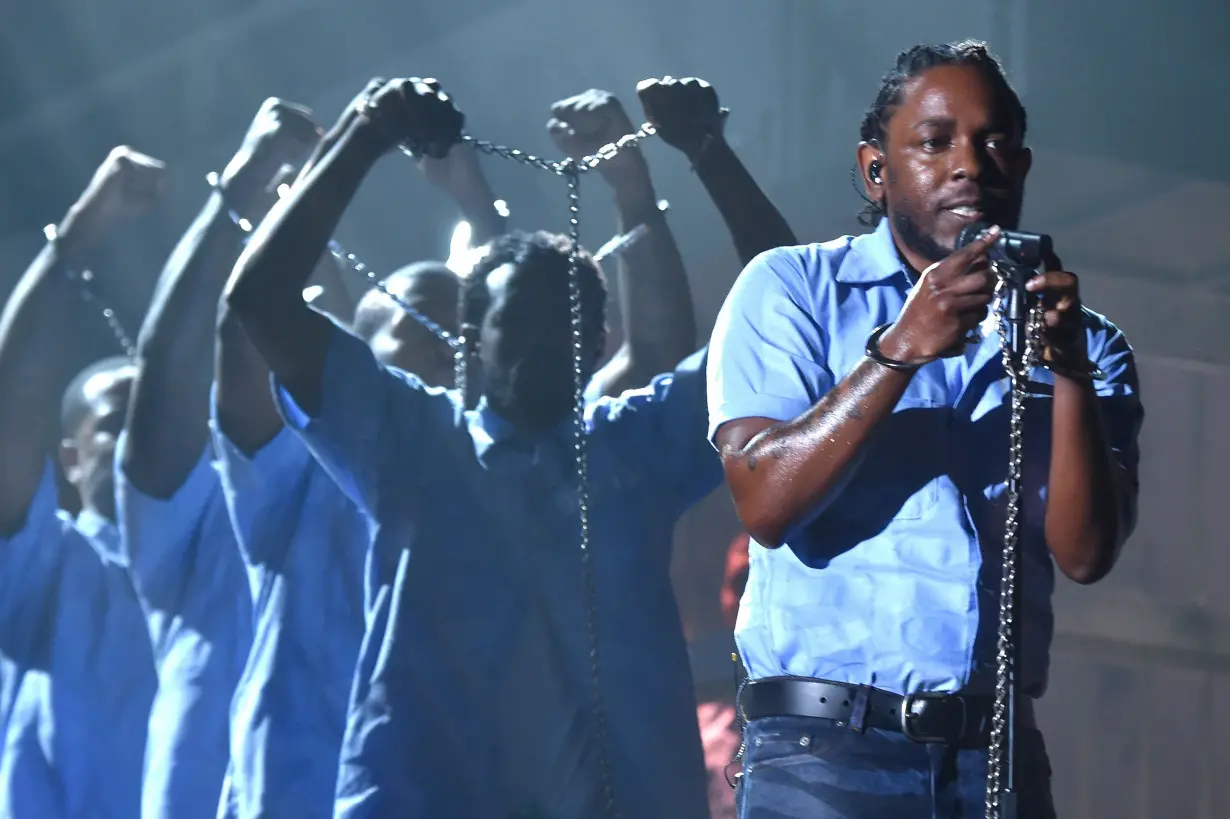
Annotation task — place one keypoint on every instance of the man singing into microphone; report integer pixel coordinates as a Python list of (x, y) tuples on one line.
[(878, 460)]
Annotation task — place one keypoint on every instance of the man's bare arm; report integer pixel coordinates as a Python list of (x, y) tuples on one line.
[(266, 290), (690, 119), (754, 222), (168, 418), (780, 473), (659, 323), (38, 356), (1091, 500), (461, 176), (246, 412)]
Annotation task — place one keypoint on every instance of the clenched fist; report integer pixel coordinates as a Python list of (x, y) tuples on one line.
[(583, 124), (686, 112), (412, 112), (280, 136), (126, 184)]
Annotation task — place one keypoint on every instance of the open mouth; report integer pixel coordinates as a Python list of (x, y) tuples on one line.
[(966, 213)]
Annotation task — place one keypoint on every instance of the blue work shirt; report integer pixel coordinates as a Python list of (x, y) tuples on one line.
[(895, 583), (29, 784), (198, 611), (70, 612), (304, 545), (473, 691)]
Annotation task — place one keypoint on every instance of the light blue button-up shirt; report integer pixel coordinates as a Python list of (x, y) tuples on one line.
[(304, 545), (198, 610), (895, 583), (29, 784), (472, 695), (71, 613)]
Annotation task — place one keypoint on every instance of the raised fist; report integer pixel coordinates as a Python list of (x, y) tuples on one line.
[(280, 137), (583, 124), (126, 184), (414, 113), (686, 112)]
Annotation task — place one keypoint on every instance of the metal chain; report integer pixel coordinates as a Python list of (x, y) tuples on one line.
[(88, 296), (1005, 656), (83, 281), (571, 170)]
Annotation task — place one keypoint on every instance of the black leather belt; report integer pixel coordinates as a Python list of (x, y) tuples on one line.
[(955, 719)]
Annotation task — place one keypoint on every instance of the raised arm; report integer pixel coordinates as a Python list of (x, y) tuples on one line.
[(266, 289), (169, 413), (688, 117), (659, 324), (782, 471), (38, 356), (460, 175), (246, 412)]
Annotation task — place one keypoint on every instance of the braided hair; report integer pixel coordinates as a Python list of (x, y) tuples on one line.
[(913, 62)]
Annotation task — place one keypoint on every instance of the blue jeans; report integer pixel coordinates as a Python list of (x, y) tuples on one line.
[(804, 768)]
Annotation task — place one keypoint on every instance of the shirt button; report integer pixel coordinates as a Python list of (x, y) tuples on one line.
[(805, 741)]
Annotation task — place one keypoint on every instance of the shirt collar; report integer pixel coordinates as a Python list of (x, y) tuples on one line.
[(873, 258), (102, 533), (489, 429)]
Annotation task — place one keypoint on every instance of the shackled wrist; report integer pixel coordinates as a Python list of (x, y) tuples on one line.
[(240, 221), (873, 352), (1085, 372)]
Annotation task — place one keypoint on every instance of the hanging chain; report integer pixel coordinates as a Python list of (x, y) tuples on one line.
[(1005, 655), (571, 170), (84, 280)]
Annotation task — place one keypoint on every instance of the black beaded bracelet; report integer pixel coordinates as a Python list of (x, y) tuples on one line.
[(873, 352)]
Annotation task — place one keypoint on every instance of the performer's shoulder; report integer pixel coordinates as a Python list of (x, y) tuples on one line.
[(1100, 325), (814, 260)]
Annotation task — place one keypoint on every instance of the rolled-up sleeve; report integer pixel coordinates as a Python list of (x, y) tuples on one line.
[(365, 408), (766, 349), (30, 570), (259, 488)]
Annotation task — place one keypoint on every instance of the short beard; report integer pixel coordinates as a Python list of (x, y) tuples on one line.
[(913, 238)]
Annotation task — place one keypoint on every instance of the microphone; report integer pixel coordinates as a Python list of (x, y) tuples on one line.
[(1015, 247), (1021, 253)]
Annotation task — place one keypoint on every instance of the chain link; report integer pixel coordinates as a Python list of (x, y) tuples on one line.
[(83, 280), (572, 170), (1005, 654)]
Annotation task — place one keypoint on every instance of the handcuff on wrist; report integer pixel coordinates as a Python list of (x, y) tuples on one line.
[(1086, 372), (873, 352), (83, 280), (215, 182)]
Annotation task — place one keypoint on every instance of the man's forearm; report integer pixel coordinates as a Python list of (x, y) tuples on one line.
[(35, 367), (754, 222), (168, 416), (1089, 501), (477, 203), (783, 474), (659, 322), (266, 288)]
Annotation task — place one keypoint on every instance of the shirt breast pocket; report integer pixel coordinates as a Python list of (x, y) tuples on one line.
[(899, 475)]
